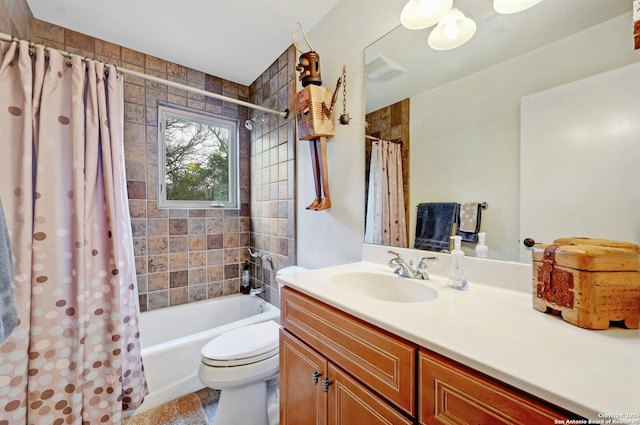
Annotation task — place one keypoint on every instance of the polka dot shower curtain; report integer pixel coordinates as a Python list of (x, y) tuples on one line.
[(74, 357), (385, 218)]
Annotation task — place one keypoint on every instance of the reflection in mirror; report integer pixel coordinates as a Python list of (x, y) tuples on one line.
[(459, 116), (387, 195)]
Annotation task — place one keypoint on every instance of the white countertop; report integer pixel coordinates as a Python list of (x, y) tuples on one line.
[(496, 331)]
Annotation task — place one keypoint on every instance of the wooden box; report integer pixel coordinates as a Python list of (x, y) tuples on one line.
[(589, 282), (313, 117)]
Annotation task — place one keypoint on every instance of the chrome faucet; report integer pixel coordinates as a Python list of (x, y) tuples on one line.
[(402, 268), (264, 256), (260, 290)]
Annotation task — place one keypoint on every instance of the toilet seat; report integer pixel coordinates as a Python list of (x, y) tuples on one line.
[(242, 346)]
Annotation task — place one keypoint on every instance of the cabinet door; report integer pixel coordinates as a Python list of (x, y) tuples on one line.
[(302, 401), (453, 394), (378, 359), (350, 403)]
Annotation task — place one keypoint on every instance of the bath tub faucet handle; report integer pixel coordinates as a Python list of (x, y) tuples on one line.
[(263, 256)]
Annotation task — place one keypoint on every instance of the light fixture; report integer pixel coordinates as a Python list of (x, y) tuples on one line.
[(453, 30), (419, 14), (507, 7)]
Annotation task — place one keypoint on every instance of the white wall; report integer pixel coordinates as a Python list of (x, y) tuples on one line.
[(491, 170), (335, 236), (597, 197), (465, 136)]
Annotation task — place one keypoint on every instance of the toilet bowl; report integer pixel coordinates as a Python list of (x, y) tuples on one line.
[(244, 365), (241, 363)]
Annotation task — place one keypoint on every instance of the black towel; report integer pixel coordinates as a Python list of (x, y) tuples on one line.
[(434, 225)]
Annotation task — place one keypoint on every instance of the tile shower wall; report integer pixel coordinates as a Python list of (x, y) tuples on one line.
[(273, 173), (190, 255), (15, 18)]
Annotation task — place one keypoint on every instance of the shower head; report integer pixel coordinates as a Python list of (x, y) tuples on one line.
[(250, 124)]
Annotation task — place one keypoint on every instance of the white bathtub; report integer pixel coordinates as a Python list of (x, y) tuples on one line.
[(172, 338)]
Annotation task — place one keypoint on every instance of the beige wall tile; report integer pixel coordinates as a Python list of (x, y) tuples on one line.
[(158, 263), (178, 261), (156, 64), (178, 243), (158, 281), (132, 57), (197, 242), (158, 245), (198, 276), (47, 31)]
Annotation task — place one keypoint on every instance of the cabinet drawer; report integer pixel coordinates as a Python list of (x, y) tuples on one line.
[(383, 362), (454, 394)]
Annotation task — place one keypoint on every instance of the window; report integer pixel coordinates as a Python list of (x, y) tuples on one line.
[(198, 159)]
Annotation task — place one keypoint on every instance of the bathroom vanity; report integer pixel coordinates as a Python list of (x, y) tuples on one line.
[(318, 345), (482, 356)]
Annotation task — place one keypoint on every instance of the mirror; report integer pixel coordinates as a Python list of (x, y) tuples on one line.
[(464, 105)]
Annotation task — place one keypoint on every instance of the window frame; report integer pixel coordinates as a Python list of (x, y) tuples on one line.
[(181, 112)]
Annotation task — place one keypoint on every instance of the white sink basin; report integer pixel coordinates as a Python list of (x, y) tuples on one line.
[(387, 287)]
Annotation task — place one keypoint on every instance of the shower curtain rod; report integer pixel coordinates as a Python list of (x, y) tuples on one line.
[(377, 139), (283, 114)]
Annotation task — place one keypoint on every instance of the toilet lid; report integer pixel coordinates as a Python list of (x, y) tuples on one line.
[(248, 344)]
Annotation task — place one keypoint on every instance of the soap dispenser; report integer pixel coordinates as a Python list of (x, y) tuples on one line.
[(482, 250), (245, 287), (457, 279)]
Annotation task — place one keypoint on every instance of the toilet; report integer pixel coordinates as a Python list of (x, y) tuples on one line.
[(239, 363), (244, 363)]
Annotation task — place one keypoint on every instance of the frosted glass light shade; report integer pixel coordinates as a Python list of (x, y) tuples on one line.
[(453, 30), (507, 7), (419, 14)]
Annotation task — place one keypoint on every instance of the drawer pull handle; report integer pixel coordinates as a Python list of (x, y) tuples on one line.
[(325, 384), (314, 377)]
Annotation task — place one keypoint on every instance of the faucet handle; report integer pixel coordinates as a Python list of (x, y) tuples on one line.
[(397, 254), (423, 267), (395, 260), (423, 264), (425, 259)]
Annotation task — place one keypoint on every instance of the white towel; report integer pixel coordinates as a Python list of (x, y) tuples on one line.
[(469, 217), (8, 313)]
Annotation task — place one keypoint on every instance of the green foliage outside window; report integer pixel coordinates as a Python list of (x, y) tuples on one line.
[(198, 160)]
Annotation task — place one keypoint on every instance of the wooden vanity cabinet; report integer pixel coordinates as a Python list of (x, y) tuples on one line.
[(374, 377), (314, 391), (336, 369), (451, 393)]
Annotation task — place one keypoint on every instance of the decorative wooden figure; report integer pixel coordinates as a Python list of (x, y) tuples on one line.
[(314, 121)]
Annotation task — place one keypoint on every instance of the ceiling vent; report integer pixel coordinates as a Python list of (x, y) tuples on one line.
[(497, 23), (382, 69)]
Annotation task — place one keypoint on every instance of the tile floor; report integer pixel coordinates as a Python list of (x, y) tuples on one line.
[(197, 408), (209, 400)]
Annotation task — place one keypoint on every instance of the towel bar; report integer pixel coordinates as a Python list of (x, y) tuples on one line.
[(483, 205)]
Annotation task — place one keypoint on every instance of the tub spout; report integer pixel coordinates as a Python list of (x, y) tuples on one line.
[(256, 291)]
